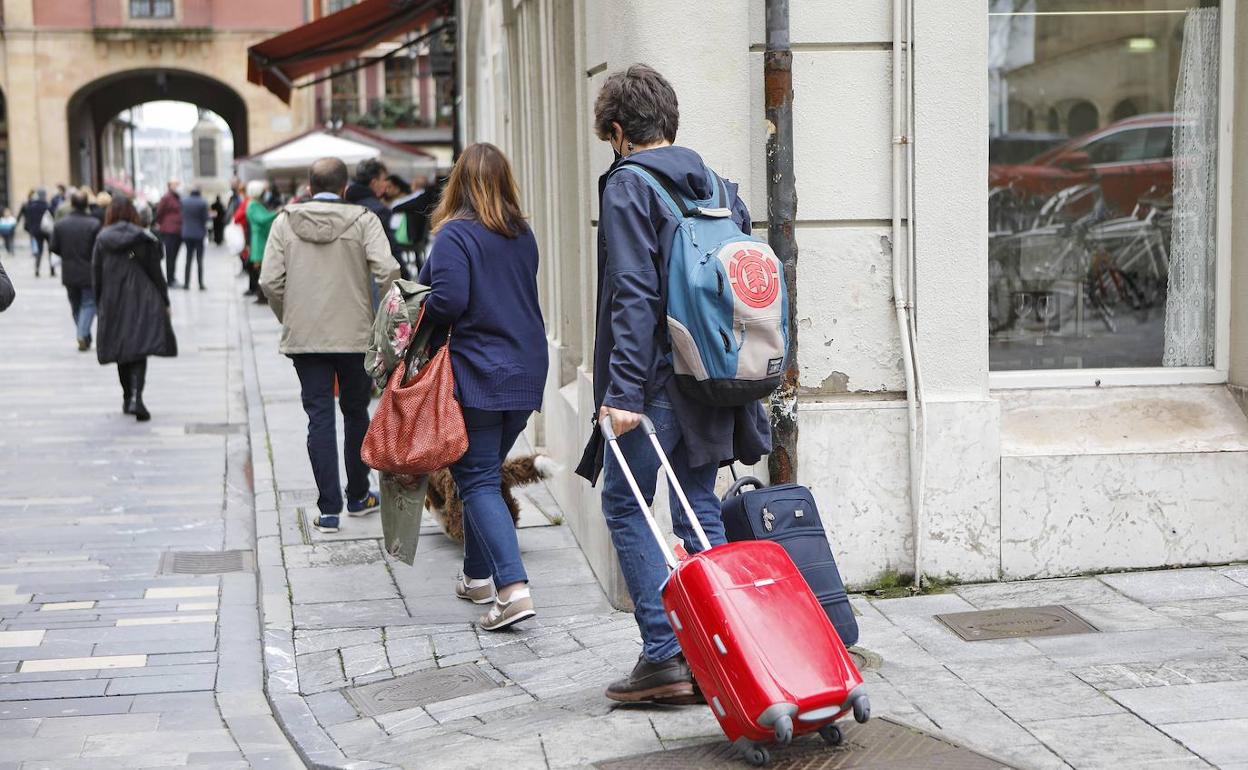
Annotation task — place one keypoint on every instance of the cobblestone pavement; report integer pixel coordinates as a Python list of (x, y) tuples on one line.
[(1164, 685), (104, 661), (370, 663)]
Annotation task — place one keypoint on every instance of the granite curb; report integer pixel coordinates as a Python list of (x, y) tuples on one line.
[(281, 678)]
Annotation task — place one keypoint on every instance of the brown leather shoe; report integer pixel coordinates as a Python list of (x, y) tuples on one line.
[(669, 682)]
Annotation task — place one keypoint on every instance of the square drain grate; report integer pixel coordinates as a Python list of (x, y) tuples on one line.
[(880, 744), (206, 562), (1016, 623), (419, 689)]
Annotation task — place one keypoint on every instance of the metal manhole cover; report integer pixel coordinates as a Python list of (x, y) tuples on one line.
[(419, 689), (1016, 622), (880, 744), (206, 562), (216, 428)]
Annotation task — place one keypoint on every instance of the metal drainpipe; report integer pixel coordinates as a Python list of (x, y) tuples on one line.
[(781, 214), (903, 290)]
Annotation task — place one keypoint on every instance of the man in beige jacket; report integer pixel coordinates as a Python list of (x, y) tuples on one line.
[(319, 267)]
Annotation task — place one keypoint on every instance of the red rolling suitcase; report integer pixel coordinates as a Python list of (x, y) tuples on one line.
[(761, 647)]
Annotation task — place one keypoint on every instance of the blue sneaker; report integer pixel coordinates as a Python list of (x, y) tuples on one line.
[(326, 524), (364, 506)]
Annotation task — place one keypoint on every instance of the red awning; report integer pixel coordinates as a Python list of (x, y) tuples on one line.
[(277, 62)]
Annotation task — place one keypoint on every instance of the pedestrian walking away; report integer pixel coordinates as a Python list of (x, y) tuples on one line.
[(194, 230), (371, 182), (99, 206), (73, 238), (7, 295), (218, 220), (8, 227), (33, 212), (58, 198), (318, 272), (259, 219), (482, 275), (169, 228), (637, 114), (133, 302)]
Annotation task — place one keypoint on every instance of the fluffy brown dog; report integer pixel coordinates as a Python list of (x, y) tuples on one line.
[(443, 500)]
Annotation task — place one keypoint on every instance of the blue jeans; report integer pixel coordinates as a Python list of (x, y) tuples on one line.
[(641, 561), (490, 544), (82, 304), (317, 372)]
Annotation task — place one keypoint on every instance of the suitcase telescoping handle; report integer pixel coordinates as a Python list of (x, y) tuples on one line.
[(739, 486), (646, 425)]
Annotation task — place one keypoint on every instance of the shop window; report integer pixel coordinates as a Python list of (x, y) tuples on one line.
[(151, 9), (1103, 242), (334, 6)]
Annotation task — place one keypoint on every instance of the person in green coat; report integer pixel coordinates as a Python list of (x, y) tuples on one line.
[(259, 222)]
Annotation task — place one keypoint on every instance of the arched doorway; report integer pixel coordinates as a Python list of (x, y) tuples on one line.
[(1083, 118), (92, 107)]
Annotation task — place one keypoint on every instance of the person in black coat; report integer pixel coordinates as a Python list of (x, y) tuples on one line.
[(371, 180), (194, 230), (218, 221), (33, 213), (133, 301), (73, 238), (7, 295)]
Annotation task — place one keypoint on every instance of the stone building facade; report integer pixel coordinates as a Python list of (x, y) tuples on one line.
[(1073, 463), (68, 67)]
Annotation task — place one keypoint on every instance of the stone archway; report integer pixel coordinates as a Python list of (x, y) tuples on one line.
[(98, 102)]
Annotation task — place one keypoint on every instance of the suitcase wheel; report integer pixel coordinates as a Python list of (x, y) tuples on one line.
[(757, 755), (784, 730), (832, 735), (862, 709)]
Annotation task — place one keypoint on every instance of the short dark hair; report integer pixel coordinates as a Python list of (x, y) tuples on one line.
[(403, 187), (368, 170), (328, 175), (121, 210), (642, 102), (78, 201)]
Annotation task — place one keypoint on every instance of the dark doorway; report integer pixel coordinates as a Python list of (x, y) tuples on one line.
[(98, 102), (1084, 118)]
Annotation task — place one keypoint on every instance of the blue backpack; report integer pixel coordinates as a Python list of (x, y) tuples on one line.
[(727, 306)]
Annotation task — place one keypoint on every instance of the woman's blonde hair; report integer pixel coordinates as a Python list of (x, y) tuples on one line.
[(482, 187), (256, 188)]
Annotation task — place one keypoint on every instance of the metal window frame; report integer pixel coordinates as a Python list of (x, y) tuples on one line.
[(1179, 375), (151, 6)]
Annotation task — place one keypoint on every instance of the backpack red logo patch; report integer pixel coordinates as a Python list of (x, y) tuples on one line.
[(754, 278)]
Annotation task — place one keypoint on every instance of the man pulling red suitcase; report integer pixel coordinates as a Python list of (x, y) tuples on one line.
[(762, 649)]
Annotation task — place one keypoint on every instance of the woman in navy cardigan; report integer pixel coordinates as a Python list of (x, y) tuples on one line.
[(483, 277)]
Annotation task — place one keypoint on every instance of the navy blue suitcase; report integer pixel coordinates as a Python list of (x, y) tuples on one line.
[(786, 514)]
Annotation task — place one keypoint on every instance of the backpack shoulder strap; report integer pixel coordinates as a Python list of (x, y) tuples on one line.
[(664, 187), (671, 196)]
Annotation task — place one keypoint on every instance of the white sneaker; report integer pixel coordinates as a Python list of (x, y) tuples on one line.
[(505, 614), (474, 590)]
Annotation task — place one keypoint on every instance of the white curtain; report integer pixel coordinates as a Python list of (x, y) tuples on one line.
[(1190, 297)]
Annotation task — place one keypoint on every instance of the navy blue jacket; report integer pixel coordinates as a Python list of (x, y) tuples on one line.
[(33, 212), (484, 285), (631, 368), (194, 217)]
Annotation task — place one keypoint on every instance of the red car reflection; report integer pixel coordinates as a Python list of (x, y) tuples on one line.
[(1131, 159)]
